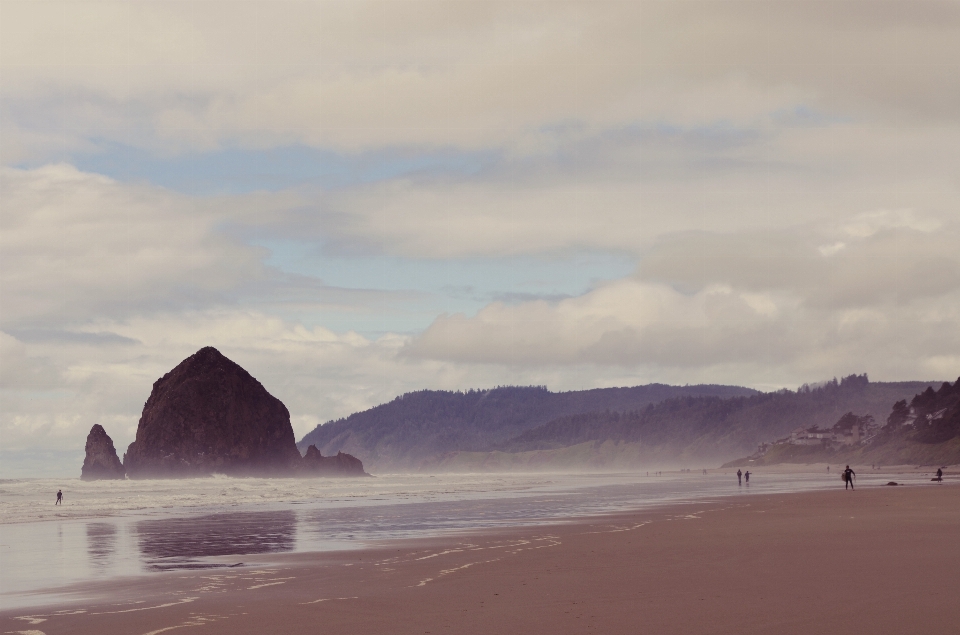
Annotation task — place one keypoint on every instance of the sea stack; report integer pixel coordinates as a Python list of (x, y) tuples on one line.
[(208, 415), (101, 461), (315, 464)]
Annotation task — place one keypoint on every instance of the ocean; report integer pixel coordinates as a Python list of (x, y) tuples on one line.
[(110, 529)]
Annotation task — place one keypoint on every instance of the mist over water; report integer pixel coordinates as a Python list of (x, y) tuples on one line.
[(109, 529)]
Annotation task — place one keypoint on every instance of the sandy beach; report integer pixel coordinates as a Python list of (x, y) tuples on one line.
[(878, 560)]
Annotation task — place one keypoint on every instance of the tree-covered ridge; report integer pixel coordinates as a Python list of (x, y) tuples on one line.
[(923, 430), (933, 416), (418, 430), (717, 427), (418, 427)]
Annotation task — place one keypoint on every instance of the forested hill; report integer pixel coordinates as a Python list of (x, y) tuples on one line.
[(530, 427), (922, 431), (689, 428), (419, 427)]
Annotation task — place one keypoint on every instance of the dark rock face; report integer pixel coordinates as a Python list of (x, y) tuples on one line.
[(208, 415), (315, 464), (101, 461)]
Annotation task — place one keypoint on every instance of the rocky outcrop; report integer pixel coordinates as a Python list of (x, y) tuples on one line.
[(315, 464), (101, 461), (208, 415)]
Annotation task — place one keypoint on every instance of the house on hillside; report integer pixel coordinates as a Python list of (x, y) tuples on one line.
[(811, 436)]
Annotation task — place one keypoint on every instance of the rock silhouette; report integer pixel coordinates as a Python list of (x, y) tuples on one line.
[(342, 464), (208, 415), (101, 461)]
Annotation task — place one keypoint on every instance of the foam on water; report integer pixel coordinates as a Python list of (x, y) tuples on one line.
[(31, 500)]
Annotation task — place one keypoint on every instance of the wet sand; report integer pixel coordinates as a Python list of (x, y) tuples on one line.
[(878, 560)]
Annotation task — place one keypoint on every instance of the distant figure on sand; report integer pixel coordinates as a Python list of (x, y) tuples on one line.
[(59, 497), (828, 469), (848, 475), (939, 475), (746, 477), (739, 474)]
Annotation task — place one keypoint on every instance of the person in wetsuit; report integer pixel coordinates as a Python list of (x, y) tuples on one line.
[(939, 475), (739, 475), (59, 497), (848, 475), (746, 477)]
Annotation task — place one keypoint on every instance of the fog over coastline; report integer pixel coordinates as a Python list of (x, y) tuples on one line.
[(357, 200)]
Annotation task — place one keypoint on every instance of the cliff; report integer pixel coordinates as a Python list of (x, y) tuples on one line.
[(208, 415), (101, 461), (315, 464)]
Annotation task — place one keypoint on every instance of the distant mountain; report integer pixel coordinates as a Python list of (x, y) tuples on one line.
[(418, 429), (707, 427), (616, 428)]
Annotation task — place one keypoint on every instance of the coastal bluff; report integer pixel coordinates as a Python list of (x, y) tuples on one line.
[(342, 464), (210, 416), (100, 461)]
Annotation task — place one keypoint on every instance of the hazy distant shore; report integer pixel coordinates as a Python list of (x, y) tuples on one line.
[(878, 560)]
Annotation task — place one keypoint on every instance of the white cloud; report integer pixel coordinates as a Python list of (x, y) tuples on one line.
[(76, 245), (466, 74), (741, 302), (869, 223), (828, 250)]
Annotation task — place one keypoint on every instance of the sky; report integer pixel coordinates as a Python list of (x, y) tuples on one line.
[(354, 200)]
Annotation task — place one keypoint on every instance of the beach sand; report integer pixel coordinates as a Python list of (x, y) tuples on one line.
[(878, 560)]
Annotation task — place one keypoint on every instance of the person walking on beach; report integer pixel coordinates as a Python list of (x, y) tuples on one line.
[(739, 482), (746, 477), (939, 475), (848, 475), (59, 497)]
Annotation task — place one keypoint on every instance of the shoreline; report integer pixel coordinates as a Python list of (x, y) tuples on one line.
[(771, 563), (12, 512)]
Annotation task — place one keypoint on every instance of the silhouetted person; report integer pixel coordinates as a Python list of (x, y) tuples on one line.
[(59, 497), (848, 475), (739, 475), (939, 475), (828, 469), (746, 477)]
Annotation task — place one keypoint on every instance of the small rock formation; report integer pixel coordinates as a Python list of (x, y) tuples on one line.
[(315, 464), (101, 461), (208, 415)]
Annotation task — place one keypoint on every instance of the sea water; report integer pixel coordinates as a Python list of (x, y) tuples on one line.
[(107, 529)]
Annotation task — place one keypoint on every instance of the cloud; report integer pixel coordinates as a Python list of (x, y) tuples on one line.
[(469, 74), (900, 261), (77, 245), (741, 302), (625, 191)]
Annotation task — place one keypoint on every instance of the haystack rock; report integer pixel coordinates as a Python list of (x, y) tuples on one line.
[(208, 415), (101, 461), (316, 464)]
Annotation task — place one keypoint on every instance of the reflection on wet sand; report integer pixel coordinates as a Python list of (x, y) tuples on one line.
[(101, 543), (181, 543)]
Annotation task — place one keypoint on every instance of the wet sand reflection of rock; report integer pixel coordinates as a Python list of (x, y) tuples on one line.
[(182, 543), (101, 543)]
